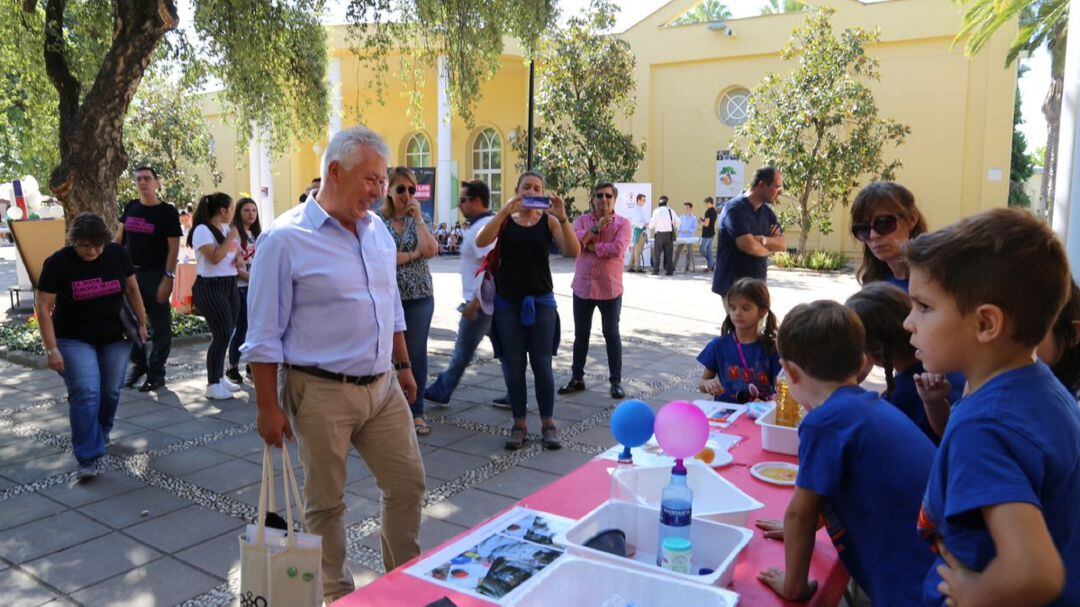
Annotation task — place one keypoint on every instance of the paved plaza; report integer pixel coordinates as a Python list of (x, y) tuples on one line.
[(160, 525)]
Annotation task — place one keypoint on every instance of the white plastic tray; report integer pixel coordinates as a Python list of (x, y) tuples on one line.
[(715, 498), (715, 545), (778, 439), (573, 582)]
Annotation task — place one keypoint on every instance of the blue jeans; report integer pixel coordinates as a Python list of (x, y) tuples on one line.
[(93, 376), (517, 341), (240, 332), (469, 335), (418, 313), (706, 250), (609, 321)]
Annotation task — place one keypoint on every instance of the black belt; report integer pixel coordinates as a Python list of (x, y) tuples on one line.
[(361, 380)]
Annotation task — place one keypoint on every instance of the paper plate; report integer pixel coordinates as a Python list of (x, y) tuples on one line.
[(775, 473), (720, 457)]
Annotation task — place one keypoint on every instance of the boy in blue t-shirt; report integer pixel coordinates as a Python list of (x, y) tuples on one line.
[(1001, 504), (862, 465)]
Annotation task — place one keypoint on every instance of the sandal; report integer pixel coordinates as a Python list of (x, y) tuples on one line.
[(422, 429), (549, 436), (517, 438)]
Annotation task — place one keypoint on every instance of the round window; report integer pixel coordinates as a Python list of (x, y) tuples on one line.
[(733, 107)]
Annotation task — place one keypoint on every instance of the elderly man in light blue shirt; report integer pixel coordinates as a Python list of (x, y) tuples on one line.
[(323, 304)]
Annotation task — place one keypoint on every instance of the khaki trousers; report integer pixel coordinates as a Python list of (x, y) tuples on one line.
[(328, 417)]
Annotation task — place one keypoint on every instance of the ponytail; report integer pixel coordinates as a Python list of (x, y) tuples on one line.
[(209, 206)]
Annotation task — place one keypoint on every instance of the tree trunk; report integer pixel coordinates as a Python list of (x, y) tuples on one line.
[(92, 155), (1052, 111)]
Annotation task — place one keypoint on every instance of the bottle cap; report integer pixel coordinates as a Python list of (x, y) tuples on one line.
[(679, 468), (677, 544)]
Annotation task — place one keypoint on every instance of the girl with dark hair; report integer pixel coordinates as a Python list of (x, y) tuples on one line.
[(882, 308), (1061, 348), (215, 292), (525, 325), (245, 223), (741, 365), (79, 303), (884, 218), (415, 245)]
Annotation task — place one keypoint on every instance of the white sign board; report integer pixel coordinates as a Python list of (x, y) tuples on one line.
[(634, 202), (730, 177)]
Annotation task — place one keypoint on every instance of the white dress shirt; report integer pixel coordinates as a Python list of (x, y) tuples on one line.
[(321, 296), (663, 219), (471, 258)]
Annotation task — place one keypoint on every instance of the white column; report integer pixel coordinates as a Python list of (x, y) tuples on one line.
[(334, 76), (443, 195), (265, 199), (254, 171), (1067, 174)]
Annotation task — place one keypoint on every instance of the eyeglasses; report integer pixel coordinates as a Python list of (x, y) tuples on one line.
[(401, 189), (89, 245), (882, 224), (605, 195)]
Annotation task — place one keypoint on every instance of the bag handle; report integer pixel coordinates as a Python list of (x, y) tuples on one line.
[(265, 485), (289, 483)]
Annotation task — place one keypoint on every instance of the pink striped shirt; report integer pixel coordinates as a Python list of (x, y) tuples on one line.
[(598, 274)]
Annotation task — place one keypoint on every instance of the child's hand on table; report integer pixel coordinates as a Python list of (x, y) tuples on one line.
[(711, 386), (774, 529), (774, 578)]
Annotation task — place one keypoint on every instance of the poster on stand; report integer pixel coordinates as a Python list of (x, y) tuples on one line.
[(495, 560), (634, 202), (730, 176), (425, 192)]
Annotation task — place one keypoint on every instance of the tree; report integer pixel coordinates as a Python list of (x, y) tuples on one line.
[(1042, 23), (708, 11), (269, 55), (776, 7), (165, 129), (1021, 168), (820, 124), (467, 34), (585, 79)]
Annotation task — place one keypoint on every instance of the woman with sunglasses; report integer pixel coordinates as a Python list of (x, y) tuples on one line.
[(415, 245), (884, 218), (525, 323)]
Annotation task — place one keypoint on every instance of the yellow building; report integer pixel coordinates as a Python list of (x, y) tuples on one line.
[(692, 83)]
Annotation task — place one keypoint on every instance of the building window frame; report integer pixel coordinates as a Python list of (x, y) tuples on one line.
[(417, 151), (486, 156), (733, 106)]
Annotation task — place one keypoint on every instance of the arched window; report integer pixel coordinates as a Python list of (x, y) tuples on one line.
[(418, 151), (487, 163), (733, 107)]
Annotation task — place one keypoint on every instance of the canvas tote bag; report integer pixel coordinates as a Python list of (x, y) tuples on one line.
[(279, 568)]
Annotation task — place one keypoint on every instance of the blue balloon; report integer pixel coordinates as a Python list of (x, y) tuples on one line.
[(632, 423)]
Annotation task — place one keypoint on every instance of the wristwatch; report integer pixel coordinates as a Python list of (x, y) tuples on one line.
[(402, 366), (170, 274), (764, 241), (52, 352), (595, 230)]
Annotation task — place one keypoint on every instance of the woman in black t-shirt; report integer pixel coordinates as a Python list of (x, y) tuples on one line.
[(79, 303), (525, 319)]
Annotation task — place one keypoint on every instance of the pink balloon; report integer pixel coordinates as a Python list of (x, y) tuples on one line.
[(681, 429)]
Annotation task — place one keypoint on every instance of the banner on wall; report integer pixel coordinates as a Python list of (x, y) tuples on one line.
[(730, 176), (634, 202), (425, 192)]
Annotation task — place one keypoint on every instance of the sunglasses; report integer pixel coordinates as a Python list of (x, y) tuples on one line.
[(882, 224), (605, 195), (401, 189)]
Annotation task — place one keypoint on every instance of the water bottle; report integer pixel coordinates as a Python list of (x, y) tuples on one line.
[(676, 505)]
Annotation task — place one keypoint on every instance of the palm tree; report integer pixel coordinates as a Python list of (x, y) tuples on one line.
[(709, 11), (776, 7), (1042, 22)]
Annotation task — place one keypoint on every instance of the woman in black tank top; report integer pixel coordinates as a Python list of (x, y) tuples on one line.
[(526, 322)]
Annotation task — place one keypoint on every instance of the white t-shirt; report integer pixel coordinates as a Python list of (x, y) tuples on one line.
[(471, 257), (226, 267)]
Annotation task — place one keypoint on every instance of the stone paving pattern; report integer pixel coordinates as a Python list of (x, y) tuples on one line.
[(159, 526)]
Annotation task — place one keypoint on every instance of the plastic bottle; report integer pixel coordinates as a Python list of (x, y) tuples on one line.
[(676, 508), (787, 408)]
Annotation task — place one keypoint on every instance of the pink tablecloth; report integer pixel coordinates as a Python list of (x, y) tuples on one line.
[(579, 492)]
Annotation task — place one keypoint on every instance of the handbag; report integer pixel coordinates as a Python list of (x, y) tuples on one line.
[(130, 322), (488, 268), (279, 568)]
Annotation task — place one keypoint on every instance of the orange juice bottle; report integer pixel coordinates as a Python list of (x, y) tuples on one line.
[(787, 408)]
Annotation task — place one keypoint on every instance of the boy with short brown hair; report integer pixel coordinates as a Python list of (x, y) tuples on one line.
[(1000, 507)]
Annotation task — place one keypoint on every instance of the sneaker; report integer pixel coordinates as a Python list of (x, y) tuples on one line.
[(233, 374), (218, 392), (87, 471), (230, 386), (503, 402), (550, 438)]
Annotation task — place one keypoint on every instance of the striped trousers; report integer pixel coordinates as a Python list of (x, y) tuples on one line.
[(218, 301)]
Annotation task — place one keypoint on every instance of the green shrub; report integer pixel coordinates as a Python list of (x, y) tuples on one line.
[(812, 260), (23, 335)]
